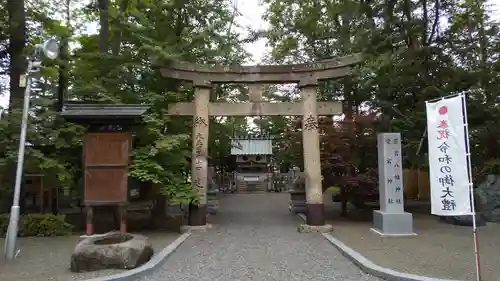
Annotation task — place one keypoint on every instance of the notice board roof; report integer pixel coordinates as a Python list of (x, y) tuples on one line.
[(81, 111)]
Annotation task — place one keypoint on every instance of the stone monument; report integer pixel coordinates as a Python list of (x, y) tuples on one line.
[(391, 219), (297, 190), (212, 192)]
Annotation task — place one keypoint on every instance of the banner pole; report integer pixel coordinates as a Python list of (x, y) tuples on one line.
[(471, 188)]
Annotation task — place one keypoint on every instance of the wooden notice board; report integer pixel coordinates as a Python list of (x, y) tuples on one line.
[(106, 159)]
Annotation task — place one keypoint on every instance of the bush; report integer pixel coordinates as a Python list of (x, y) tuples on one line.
[(38, 225), (333, 189)]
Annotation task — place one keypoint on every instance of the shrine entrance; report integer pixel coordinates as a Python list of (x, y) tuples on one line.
[(307, 76)]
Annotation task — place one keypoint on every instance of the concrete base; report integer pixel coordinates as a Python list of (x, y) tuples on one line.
[(195, 228), (305, 228), (393, 224)]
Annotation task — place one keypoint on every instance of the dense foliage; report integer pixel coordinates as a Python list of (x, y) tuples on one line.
[(114, 65), (414, 50), (38, 225)]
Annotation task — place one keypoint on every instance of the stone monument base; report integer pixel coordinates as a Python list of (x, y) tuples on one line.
[(393, 224)]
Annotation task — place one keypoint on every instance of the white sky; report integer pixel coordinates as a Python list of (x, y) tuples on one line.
[(251, 15), (252, 12)]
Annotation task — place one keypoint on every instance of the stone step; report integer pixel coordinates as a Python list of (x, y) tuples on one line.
[(252, 191), (243, 188)]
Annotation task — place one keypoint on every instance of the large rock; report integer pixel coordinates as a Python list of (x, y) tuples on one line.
[(487, 196), (111, 250)]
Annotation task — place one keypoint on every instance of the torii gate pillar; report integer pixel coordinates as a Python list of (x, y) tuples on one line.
[(199, 156), (312, 165)]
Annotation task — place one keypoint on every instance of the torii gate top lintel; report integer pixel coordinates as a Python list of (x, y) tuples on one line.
[(272, 74)]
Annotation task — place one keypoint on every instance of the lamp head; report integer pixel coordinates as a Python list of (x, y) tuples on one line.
[(50, 48)]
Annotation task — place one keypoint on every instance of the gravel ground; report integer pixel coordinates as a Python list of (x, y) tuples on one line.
[(254, 237), (48, 258), (439, 250)]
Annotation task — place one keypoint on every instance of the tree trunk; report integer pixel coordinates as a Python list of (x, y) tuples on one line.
[(117, 34), (17, 37), (63, 66), (344, 200), (104, 22)]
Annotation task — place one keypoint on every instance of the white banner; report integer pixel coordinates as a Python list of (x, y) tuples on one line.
[(448, 166)]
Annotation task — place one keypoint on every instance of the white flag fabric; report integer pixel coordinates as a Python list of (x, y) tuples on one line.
[(448, 166)]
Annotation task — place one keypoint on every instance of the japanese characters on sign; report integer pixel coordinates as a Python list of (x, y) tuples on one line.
[(311, 123), (199, 160), (200, 178), (448, 172), (390, 172), (200, 122)]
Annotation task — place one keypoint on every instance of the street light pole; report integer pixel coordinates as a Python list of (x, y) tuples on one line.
[(50, 49), (10, 241)]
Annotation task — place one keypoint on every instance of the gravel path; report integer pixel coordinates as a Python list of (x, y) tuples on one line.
[(255, 238)]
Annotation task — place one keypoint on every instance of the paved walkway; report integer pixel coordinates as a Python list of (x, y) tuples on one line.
[(254, 237)]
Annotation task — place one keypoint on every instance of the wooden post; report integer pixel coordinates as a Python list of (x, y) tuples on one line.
[(199, 168), (42, 195), (89, 220), (50, 194), (122, 209), (312, 164)]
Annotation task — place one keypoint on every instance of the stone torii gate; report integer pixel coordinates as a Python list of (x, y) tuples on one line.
[(306, 76)]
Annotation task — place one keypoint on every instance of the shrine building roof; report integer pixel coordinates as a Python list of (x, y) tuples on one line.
[(253, 137), (252, 145)]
